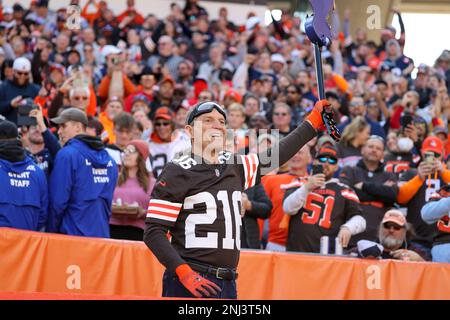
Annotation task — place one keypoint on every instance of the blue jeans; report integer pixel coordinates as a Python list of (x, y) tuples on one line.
[(441, 253), (172, 287)]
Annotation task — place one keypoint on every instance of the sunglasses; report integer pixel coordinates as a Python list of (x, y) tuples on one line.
[(435, 154), (291, 92), (392, 225), (205, 107), (327, 159), (130, 150), (80, 98), (162, 124), (280, 114)]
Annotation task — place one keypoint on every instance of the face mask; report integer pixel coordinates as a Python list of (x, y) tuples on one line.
[(405, 144)]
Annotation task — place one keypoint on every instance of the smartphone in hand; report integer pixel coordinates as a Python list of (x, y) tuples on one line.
[(317, 169)]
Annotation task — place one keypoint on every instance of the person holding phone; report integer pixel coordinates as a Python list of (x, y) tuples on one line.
[(13, 92), (418, 185), (322, 206)]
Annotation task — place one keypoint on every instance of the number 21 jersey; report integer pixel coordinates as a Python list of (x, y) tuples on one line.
[(201, 204)]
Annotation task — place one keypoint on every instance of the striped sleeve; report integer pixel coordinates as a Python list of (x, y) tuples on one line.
[(167, 197), (350, 195), (250, 164), (163, 210)]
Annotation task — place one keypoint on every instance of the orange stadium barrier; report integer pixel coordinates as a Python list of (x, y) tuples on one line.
[(51, 265)]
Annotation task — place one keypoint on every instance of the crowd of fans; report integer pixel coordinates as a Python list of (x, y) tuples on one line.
[(120, 88)]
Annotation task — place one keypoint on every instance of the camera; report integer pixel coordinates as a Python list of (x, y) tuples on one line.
[(429, 157), (23, 118), (406, 119), (252, 50), (115, 60)]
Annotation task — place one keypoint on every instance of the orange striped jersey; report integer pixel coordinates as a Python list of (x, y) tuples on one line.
[(399, 163), (201, 205)]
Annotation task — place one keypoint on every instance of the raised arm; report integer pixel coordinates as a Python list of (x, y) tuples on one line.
[(290, 145), (434, 211)]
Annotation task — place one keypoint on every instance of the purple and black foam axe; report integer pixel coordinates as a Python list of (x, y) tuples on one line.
[(319, 33)]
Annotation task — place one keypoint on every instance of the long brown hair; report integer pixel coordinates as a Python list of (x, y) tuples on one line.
[(354, 129), (142, 174)]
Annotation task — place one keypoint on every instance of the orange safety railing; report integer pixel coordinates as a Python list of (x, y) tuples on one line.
[(60, 266)]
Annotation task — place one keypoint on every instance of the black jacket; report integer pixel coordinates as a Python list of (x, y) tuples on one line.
[(8, 91), (375, 196), (261, 208)]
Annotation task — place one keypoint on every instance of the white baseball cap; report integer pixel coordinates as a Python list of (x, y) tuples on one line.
[(109, 49), (252, 22), (276, 57), (22, 64), (8, 10)]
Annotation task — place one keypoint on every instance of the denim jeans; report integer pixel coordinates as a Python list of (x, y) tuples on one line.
[(275, 247), (172, 287), (441, 253)]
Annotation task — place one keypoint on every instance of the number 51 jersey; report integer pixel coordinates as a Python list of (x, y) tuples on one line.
[(201, 205)]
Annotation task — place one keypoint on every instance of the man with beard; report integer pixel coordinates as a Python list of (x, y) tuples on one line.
[(42, 145), (24, 193), (37, 150), (13, 92), (320, 205), (394, 234)]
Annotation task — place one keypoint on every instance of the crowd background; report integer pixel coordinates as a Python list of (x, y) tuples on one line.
[(136, 77)]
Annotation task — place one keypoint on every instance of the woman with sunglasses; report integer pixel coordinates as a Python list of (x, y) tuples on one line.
[(134, 187), (165, 141)]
